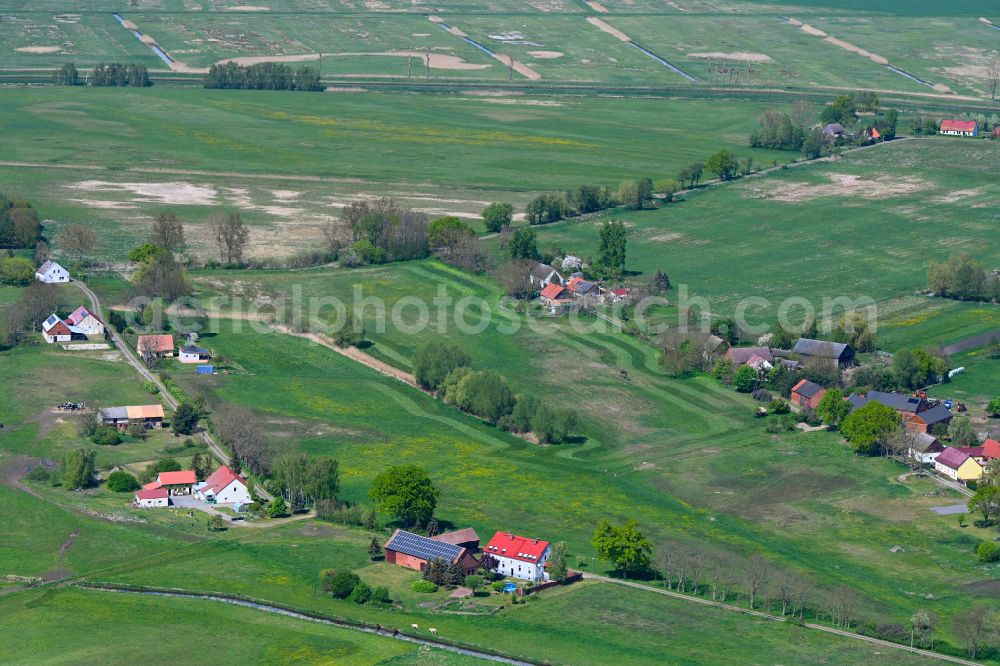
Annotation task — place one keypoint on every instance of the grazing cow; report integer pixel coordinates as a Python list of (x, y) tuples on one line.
[(433, 631), (413, 626)]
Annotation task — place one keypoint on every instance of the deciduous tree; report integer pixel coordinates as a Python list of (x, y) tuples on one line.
[(624, 546), (405, 492)]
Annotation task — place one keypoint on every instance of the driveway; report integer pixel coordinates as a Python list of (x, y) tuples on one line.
[(189, 502)]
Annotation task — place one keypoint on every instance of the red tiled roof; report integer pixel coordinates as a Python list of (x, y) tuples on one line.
[(156, 493), (991, 448), (156, 343), (552, 291), (59, 328), (458, 536), (958, 125), (505, 544), (972, 451), (952, 458), (181, 478), (79, 315), (152, 485), (219, 479)]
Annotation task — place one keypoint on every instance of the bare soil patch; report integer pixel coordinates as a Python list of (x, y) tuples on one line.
[(247, 8), (596, 6), (38, 49), (841, 184), (256, 60), (847, 46), (738, 56), (179, 193), (436, 60), (546, 55), (958, 195), (610, 29)]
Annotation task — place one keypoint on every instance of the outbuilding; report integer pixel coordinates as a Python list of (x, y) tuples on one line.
[(156, 497), (192, 354), (55, 329), (807, 394), (416, 552)]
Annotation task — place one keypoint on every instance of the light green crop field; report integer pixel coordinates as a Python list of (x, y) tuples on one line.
[(288, 162), (862, 226), (87, 626)]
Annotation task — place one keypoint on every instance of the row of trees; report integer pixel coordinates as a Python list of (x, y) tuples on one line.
[(262, 76), (20, 226), (445, 369), (303, 481), (962, 277), (115, 74)]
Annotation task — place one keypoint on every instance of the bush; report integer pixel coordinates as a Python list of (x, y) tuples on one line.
[(779, 406), (498, 585), (380, 595), (122, 482), (339, 584), (361, 594), (784, 423), (335, 512), (38, 473), (988, 551), (151, 387), (106, 436), (424, 586)]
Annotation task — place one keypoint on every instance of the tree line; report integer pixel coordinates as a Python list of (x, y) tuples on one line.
[(963, 278), (262, 76), (445, 370), (115, 74)]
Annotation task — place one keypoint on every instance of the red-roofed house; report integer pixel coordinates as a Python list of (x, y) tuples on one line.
[(223, 486), (991, 449), (176, 483), (959, 127), (156, 497), (519, 557), (86, 322), (158, 345), (958, 466), (807, 394)]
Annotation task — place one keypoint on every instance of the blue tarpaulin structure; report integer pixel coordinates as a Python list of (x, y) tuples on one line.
[(510, 587), (206, 370)]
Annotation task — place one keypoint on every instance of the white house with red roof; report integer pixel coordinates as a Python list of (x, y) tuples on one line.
[(959, 127), (223, 486), (55, 329), (148, 499), (175, 483), (85, 322), (519, 557)]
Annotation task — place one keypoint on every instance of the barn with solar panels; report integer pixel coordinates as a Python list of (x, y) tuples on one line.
[(417, 552)]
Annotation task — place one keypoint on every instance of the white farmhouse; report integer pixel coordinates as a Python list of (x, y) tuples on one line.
[(519, 557), (147, 499), (85, 322), (51, 272), (224, 486), (55, 329)]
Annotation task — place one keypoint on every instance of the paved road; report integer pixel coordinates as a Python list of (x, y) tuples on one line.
[(140, 367), (775, 618)]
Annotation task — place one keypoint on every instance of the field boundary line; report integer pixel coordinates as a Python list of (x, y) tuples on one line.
[(774, 618)]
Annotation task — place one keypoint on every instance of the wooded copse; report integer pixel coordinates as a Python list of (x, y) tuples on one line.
[(963, 278), (262, 76), (20, 226), (117, 74)]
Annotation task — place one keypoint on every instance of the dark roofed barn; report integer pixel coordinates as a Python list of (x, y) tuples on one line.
[(842, 353)]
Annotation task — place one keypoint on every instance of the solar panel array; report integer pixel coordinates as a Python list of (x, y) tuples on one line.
[(422, 547)]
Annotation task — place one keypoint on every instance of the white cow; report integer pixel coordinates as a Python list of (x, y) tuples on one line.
[(433, 631), (413, 626)]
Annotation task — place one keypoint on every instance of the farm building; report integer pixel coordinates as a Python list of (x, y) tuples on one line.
[(973, 452), (519, 557), (542, 275), (991, 449), (917, 414), (50, 272), (555, 298), (192, 354), (744, 355), (156, 497), (416, 552), (223, 486), (55, 329), (833, 131), (958, 466), (579, 287), (622, 295), (806, 394), (150, 416), (84, 322), (959, 127), (715, 347), (175, 483), (840, 352), (466, 538), (925, 448), (158, 345)]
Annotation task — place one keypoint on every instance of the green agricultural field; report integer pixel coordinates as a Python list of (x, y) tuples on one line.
[(862, 226), (652, 446), (82, 626), (288, 162)]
